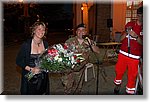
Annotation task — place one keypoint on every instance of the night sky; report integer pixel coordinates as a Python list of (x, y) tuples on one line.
[(58, 16)]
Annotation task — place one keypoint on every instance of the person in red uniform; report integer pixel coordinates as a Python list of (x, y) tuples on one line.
[(129, 54)]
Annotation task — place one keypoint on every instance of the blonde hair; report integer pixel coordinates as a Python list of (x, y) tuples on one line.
[(34, 26)]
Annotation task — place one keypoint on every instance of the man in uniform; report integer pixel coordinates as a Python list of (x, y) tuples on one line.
[(73, 82)]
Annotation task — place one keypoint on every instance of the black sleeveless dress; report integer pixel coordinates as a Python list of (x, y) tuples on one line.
[(39, 84)]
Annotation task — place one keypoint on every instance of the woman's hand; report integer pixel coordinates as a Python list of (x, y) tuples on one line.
[(36, 70)]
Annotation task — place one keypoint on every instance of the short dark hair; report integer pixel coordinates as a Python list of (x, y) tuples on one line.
[(140, 10), (81, 25)]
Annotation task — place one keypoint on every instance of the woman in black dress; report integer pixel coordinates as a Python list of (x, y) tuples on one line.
[(27, 59)]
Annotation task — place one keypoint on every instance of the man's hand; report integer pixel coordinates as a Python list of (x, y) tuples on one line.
[(133, 34), (87, 41)]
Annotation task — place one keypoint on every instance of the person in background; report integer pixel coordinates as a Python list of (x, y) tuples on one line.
[(73, 82), (27, 59), (130, 53)]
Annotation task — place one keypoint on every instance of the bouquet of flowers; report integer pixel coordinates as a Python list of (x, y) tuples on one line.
[(59, 57)]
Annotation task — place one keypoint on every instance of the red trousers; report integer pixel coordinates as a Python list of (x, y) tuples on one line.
[(131, 65)]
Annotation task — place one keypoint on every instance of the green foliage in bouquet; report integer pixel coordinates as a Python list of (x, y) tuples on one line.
[(56, 65), (60, 58), (57, 59)]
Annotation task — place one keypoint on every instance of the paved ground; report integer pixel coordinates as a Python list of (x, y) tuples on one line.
[(12, 76)]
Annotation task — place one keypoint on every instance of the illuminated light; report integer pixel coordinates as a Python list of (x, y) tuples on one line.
[(130, 6), (20, 0), (82, 8)]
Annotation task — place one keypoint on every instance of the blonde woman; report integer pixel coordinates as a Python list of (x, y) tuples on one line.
[(27, 59)]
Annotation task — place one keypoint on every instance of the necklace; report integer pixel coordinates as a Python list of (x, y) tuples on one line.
[(37, 43)]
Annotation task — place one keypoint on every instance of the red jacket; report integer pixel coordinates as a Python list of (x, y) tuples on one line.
[(136, 49)]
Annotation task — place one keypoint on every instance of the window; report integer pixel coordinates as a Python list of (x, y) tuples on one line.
[(132, 7)]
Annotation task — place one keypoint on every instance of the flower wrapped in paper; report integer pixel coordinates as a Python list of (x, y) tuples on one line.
[(60, 58)]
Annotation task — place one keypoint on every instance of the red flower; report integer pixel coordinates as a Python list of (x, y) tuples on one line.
[(65, 46), (75, 56), (52, 52), (78, 61), (49, 51)]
